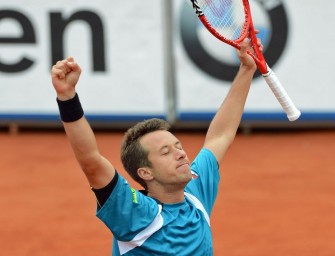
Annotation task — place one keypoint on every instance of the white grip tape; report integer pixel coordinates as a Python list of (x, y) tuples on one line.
[(278, 90)]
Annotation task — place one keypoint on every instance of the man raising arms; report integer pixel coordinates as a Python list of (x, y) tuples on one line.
[(171, 216)]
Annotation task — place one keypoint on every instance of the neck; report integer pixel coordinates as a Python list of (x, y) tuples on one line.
[(167, 196)]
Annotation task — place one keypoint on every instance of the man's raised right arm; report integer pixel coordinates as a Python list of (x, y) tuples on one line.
[(98, 170)]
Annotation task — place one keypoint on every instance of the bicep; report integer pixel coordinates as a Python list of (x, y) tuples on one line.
[(218, 146), (99, 173)]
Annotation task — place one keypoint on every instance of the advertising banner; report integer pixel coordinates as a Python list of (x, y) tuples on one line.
[(117, 44), (290, 32), (140, 59)]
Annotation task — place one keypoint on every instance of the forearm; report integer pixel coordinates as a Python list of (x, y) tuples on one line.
[(224, 125), (82, 141), (78, 130), (98, 170), (229, 115)]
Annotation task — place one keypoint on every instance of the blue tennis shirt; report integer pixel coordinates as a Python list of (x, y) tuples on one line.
[(143, 226)]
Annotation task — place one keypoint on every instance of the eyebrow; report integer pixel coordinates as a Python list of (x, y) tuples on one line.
[(162, 148), (167, 146)]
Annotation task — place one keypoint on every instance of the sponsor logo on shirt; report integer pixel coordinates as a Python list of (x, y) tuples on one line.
[(133, 191)]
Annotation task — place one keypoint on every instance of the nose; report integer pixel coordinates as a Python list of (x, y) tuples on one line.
[(180, 153)]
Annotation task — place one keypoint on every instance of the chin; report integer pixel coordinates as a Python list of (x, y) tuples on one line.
[(188, 177)]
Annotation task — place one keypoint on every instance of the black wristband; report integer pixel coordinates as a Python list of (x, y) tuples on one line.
[(70, 110)]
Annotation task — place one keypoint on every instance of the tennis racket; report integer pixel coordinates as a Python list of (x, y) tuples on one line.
[(230, 21)]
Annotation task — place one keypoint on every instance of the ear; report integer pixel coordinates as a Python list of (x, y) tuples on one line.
[(144, 173)]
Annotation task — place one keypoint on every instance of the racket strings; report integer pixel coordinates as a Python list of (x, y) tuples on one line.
[(226, 16)]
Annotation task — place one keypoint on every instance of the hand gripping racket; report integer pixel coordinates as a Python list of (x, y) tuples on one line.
[(230, 21)]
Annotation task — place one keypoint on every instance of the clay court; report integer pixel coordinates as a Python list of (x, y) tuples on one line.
[(277, 195)]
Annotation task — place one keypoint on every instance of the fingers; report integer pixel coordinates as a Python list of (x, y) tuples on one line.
[(70, 59), (245, 44), (60, 69), (63, 67), (259, 44), (245, 56), (258, 41), (73, 65)]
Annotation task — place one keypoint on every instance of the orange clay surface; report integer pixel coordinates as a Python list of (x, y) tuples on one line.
[(277, 195)]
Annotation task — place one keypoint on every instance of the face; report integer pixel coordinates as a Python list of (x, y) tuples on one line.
[(170, 164)]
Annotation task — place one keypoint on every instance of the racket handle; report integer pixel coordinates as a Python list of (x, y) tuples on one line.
[(278, 90)]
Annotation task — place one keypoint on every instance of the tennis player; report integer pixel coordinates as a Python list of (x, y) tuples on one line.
[(171, 216)]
